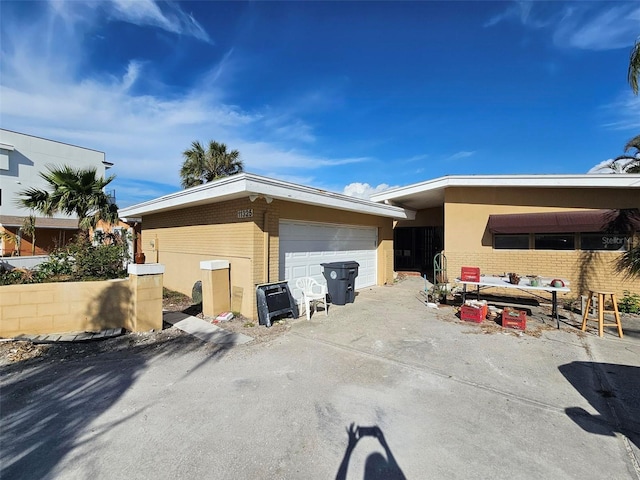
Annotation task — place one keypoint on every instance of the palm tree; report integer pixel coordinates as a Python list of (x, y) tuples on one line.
[(202, 166), (634, 67), (626, 163), (72, 191)]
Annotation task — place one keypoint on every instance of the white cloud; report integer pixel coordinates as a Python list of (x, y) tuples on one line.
[(581, 25), (47, 92), (364, 190), (602, 167), (170, 17), (610, 166), (614, 26), (522, 12), (625, 111), (460, 155)]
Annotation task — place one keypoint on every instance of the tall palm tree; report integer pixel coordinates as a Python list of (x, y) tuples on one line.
[(634, 67), (73, 191), (629, 262), (202, 166)]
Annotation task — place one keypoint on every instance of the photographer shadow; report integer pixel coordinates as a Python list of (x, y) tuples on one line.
[(377, 467)]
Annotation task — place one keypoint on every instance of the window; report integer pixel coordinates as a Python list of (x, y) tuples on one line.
[(603, 241), (610, 242), (512, 242), (555, 241), (98, 236)]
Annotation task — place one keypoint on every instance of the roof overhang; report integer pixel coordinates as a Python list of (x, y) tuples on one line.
[(428, 194), (41, 222), (248, 185)]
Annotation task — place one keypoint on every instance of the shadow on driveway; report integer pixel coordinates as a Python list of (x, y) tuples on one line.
[(50, 402), (613, 390)]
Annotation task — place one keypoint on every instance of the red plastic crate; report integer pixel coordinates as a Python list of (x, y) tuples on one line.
[(512, 318), (470, 274), (472, 314)]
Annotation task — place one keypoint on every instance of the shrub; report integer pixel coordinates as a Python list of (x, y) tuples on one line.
[(630, 303), (19, 276), (77, 261), (95, 262)]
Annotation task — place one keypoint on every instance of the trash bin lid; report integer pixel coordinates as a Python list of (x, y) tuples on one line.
[(346, 264)]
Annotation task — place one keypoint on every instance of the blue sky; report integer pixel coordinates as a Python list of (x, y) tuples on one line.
[(351, 97)]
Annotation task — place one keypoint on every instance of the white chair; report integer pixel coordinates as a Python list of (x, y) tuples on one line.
[(312, 292)]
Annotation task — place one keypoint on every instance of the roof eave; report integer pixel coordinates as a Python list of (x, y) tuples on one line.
[(534, 181), (247, 185)]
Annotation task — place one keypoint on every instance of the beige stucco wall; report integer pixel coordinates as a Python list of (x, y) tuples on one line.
[(429, 217), (468, 241), (134, 303), (181, 239)]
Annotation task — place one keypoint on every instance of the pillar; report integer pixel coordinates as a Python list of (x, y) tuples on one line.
[(145, 282), (216, 296)]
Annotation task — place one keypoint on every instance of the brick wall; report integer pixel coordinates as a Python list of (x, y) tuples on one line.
[(180, 239), (468, 241)]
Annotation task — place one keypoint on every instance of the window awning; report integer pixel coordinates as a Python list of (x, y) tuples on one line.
[(555, 222)]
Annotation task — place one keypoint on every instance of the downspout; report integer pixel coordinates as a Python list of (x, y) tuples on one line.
[(265, 246)]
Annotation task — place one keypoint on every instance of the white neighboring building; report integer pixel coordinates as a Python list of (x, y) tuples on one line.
[(22, 158)]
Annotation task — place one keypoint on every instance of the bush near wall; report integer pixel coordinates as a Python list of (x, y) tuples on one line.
[(79, 261)]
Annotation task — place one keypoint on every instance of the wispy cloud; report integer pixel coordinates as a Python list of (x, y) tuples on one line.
[(610, 26), (417, 158), (581, 25), (170, 17), (624, 110), (143, 134), (460, 155), (521, 11)]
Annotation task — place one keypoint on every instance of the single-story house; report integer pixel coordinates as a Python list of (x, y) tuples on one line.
[(270, 230), (547, 225)]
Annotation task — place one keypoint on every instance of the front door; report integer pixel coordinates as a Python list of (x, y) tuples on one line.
[(415, 247)]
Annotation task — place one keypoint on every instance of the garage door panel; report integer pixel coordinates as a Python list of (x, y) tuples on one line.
[(303, 247)]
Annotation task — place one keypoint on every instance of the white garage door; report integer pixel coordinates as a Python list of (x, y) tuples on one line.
[(304, 246)]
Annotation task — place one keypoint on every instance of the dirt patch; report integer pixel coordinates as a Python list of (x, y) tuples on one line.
[(168, 340), (176, 302), (12, 351), (259, 333)]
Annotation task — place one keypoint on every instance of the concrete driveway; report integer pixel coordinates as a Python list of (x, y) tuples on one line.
[(449, 400)]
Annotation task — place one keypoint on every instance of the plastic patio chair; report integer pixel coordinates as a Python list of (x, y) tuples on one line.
[(313, 292)]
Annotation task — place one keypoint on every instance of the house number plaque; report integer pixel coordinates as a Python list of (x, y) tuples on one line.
[(248, 213)]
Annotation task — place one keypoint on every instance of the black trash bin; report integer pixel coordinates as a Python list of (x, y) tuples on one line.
[(341, 279)]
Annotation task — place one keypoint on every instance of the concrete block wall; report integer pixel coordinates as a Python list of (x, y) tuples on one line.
[(134, 303), (146, 303)]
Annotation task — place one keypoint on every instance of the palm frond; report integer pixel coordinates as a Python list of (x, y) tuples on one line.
[(71, 191), (634, 67)]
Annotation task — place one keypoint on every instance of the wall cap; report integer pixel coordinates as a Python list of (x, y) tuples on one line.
[(214, 264), (145, 269)]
